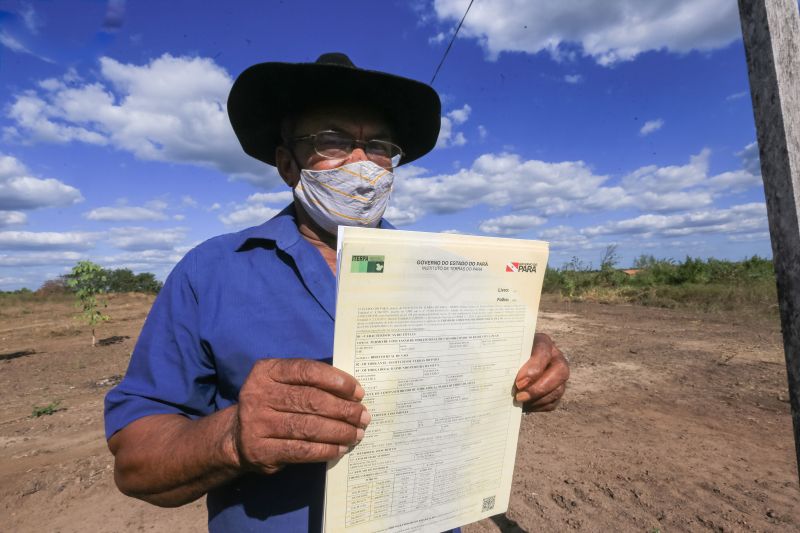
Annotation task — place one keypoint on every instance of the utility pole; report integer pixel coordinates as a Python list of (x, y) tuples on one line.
[(771, 32)]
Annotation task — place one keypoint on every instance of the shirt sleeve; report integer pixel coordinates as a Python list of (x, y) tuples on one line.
[(170, 371)]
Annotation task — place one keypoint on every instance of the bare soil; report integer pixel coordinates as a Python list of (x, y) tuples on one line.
[(674, 420)]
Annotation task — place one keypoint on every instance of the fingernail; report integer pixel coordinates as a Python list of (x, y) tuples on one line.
[(524, 382), (343, 450), (359, 392), (365, 418), (523, 397), (359, 434)]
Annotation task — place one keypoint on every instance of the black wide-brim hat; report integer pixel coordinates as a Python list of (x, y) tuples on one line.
[(265, 93)]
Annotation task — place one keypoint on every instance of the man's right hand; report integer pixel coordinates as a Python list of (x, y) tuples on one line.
[(296, 411)]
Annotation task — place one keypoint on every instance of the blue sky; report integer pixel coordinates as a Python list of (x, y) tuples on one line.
[(585, 123)]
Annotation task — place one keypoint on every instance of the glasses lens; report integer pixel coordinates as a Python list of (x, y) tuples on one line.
[(333, 145), (337, 145), (384, 153)]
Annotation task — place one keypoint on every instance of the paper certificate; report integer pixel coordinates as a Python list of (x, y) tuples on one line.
[(435, 328)]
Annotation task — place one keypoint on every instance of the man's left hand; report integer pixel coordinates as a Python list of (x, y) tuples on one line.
[(541, 381)]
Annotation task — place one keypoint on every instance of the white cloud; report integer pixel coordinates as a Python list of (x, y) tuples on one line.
[(170, 109), (403, 216), (448, 136), (568, 238), (139, 239), (510, 224), (11, 167), (248, 215), (30, 18), (482, 133), (670, 178), (26, 192), (460, 116), (650, 126), (281, 198), (12, 218), (744, 218), (144, 260), (127, 213), (734, 181), (736, 96), (156, 204), (188, 201), (678, 187), (11, 283), (609, 31), (13, 44), (750, 158), (18, 190), (557, 232), (573, 78), (671, 201), (559, 188), (749, 237), (254, 210), (29, 240), (693, 180), (499, 180), (32, 259), (438, 38)]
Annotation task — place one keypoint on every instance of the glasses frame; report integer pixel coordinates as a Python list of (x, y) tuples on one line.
[(355, 143)]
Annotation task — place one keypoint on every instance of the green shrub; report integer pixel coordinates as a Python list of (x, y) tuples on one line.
[(88, 280), (46, 410), (710, 284), (117, 280)]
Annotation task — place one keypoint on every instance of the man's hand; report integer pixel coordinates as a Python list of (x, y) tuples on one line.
[(297, 411), (289, 411), (541, 381)]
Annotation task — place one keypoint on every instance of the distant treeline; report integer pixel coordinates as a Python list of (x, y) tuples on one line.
[(116, 280), (707, 283)]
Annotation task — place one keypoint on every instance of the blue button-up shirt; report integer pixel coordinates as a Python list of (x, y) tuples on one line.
[(264, 292)]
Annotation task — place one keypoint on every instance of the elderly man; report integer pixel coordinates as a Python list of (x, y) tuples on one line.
[(230, 391)]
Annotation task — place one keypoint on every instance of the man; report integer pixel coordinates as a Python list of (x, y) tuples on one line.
[(229, 391)]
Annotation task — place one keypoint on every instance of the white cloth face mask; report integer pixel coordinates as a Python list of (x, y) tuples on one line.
[(355, 194)]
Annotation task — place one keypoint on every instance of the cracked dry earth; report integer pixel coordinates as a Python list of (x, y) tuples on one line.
[(674, 420)]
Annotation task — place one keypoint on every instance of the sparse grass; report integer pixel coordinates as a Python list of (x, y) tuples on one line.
[(710, 285), (22, 297), (46, 410), (66, 332)]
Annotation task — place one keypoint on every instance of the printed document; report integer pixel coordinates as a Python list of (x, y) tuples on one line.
[(435, 327)]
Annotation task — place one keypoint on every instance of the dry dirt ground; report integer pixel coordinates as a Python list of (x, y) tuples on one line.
[(674, 421)]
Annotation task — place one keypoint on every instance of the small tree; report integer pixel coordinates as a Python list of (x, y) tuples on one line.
[(55, 286), (121, 280), (610, 258), (88, 280), (147, 282)]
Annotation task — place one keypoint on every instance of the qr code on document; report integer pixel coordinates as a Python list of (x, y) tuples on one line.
[(488, 504)]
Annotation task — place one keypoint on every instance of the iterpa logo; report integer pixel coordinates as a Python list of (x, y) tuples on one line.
[(515, 266), (367, 263)]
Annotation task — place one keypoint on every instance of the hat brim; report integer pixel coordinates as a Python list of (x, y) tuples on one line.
[(265, 93)]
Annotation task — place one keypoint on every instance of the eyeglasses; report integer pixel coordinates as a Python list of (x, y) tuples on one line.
[(338, 145)]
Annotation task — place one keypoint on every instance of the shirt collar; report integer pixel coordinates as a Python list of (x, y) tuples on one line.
[(282, 230)]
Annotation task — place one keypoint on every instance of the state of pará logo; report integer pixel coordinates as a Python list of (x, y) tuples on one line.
[(516, 266)]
